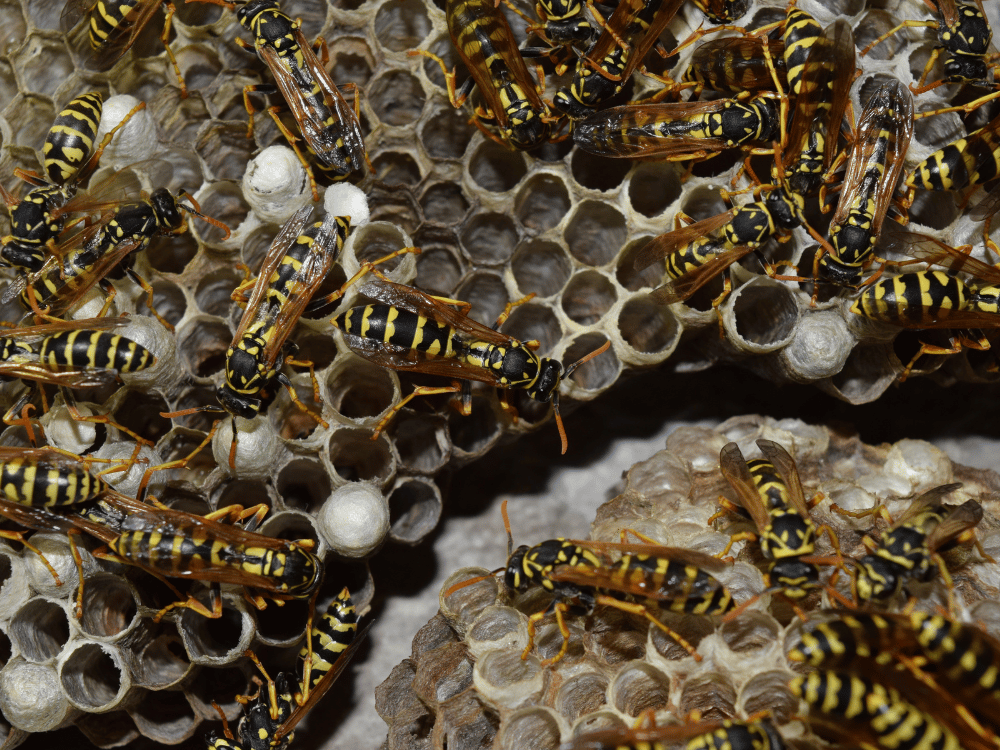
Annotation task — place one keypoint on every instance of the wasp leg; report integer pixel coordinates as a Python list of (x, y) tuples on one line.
[(169, 10), (87, 169), (560, 609), (19, 536), (508, 308), (925, 348), (420, 391), (879, 510), (369, 266), (312, 375), (974, 104), (293, 141), (179, 463), (456, 99), (24, 421), (144, 285), (259, 88), (896, 29), (640, 609), (70, 402), (196, 606), (272, 691)]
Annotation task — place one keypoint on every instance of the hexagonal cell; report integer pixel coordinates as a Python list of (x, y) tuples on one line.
[(654, 187), (420, 444), (596, 233), (198, 14), (226, 150), (601, 371), (358, 389), (358, 458), (214, 289), (530, 727), (542, 202), (702, 202), (208, 639), (245, 492), (283, 626), (114, 729), (765, 313), (414, 510), (402, 26), (446, 134), (203, 344), (222, 201), (39, 630), (30, 118), (476, 433), (303, 484), (581, 694), (769, 691), (395, 168), (488, 239), (444, 203), (639, 687), (487, 295), (13, 25), (598, 173), (166, 717), (750, 633), (47, 65), (495, 168), (587, 297), (648, 327), (353, 61), (314, 347), (540, 267), (161, 663), (198, 420), (373, 241), (93, 676), (172, 253), (290, 420), (109, 606), (632, 279), (394, 206), (140, 412), (168, 299), (712, 693), (8, 84), (396, 97), (536, 322)]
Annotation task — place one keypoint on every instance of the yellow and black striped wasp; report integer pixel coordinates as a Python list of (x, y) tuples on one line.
[(71, 355), (412, 331), (909, 549), (934, 298), (964, 163), (39, 218), (329, 126), (697, 253), (293, 269), (736, 64), (485, 43), (966, 41), (627, 37), (704, 735), (583, 574), (723, 11), (770, 492), (875, 716), (680, 130), (562, 25), (87, 257), (873, 169), (115, 25)]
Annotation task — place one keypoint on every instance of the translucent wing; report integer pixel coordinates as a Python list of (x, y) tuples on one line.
[(785, 465), (737, 473)]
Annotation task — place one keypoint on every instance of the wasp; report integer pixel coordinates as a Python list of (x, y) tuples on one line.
[(770, 491), (563, 25), (853, 640), (115, 25), (485, 43), (799, 35), (698, 253), (39, 218), (260, 720), (293, 269), (88, 256), (875, 164), (967, 162), (680, 130), (628, 35), (908, 549), (410, 330), (934, 298), (723, 11), (723, 735), (965, 39), (581, 574), (72, 355), (737, 64), (871, 714), (329, 126)]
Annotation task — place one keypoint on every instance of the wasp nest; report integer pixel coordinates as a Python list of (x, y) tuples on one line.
[(467, 686)]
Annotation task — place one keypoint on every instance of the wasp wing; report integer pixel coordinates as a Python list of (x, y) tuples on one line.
[(737, 473), (933, 498), (959, 520), (666, 244), (785, 464)]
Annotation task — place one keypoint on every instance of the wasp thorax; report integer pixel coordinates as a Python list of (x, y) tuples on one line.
[(238, 404), (248, 12), (519, 365), (514, 578)]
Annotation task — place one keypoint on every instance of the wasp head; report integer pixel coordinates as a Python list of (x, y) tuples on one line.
[(168, 215), (238, 404), (251, 10), (514, 578), (550, 374), (875, 579)]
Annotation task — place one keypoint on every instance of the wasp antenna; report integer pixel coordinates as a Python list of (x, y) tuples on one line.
[(506, 525), (464, 584), (196, 211), (570, 369), (193, 410), (559, 422), (232, 448), (733, 614)]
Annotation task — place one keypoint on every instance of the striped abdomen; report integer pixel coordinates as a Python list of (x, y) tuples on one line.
[(919, 297), (28, 483), (332, 634), (98, 350), (71, 137), (105, 19), (801, 31), (674, 584), (393, 325)]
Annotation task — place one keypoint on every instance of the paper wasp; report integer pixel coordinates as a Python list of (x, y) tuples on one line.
[(770, 492), (563, 24), (679, 130), (39, 217), (293, 269), (965, 38), (934, 298), (908, 549), (268, 723), (485, 43), (737, 64), (86, 258), (724, 735), (628, 35), (412, 331), (115, 25), (723, 11), (876, 161), (871, 714), (698, 253), (582, 574)]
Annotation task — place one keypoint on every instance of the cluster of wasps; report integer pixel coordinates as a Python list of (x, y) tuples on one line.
[(914, 680), (781, 89)]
